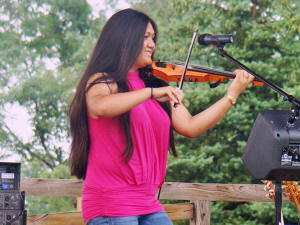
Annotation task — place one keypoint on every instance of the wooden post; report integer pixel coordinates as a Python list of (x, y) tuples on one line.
[(201, 213), (78, 203)]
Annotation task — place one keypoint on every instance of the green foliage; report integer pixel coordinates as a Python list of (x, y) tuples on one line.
[(40, 205), (48, 116), (34, 34)]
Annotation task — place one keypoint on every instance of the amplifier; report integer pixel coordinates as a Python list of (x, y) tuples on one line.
[(12, 200), (9, 176), (13, 217), (273, 147)]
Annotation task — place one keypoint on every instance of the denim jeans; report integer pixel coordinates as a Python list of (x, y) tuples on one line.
[(158, 218)]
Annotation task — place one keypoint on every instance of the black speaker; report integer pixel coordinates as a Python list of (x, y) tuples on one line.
[(273, 147)]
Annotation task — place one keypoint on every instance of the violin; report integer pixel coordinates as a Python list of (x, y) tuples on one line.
[(173, 71)]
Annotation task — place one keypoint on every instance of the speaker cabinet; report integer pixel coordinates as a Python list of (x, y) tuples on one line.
[(273, 147)]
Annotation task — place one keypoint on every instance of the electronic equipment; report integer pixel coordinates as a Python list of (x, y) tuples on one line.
[(13, 217), (273, 147), (12, 201), (9, 176)]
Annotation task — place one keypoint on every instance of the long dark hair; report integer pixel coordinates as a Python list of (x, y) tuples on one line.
[(115, 52)]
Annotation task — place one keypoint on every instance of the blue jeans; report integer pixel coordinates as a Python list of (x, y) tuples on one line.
[(158, 218)]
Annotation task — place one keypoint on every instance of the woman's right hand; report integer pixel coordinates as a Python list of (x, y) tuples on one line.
[(168, 93)]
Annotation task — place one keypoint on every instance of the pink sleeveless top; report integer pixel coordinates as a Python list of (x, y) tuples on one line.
[(113, 187)]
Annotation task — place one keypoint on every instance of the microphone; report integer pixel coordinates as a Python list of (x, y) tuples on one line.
[(217, 40)]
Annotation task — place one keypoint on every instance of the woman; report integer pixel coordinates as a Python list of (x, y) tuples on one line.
[(121, 122)]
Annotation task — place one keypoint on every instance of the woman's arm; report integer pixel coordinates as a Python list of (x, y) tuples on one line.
[(192, 126), (103, 99)]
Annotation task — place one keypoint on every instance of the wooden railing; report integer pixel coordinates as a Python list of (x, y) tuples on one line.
[(197, 210)]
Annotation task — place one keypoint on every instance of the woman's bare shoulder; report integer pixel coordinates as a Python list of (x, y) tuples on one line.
[(101, 83)]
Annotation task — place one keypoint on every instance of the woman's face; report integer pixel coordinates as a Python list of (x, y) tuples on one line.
[(145, 55)]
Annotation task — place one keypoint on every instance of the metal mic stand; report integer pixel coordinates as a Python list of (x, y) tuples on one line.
[(286, 97), (291, 120), (278, 202)]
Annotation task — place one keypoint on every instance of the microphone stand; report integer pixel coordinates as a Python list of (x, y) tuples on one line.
[(292, 119), (286, 97)]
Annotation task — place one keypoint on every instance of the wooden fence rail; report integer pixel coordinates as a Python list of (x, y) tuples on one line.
[(197, 211)]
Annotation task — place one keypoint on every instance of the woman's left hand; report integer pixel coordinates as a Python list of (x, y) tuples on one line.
[(240, 82)]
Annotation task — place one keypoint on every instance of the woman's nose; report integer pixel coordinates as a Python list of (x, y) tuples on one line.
[(151, 43)]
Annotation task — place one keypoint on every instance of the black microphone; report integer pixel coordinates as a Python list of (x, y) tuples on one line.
[(218, 40)]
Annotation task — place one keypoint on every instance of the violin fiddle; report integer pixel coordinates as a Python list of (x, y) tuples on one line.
[(173, 71)]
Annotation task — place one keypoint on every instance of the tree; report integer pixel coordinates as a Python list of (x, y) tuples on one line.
[(32, 34)]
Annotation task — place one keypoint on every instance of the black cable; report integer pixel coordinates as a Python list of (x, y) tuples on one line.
[(158, 196)]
